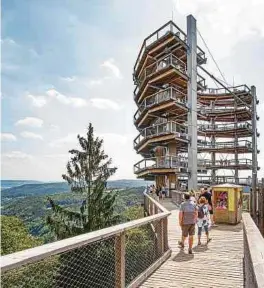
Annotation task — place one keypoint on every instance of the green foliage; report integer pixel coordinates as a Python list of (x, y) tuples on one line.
[(14, 236), (87, 173)]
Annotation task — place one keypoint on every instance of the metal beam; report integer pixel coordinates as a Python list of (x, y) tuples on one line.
[(192, 101), (254, 155)]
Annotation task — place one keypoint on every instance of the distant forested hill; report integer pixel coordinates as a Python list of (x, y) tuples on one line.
[(4, 184), (33, 209), (42, 189)]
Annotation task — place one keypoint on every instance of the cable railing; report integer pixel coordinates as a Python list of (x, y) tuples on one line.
[(161, 162), (165, 162), (162, 96), (227, 163), (162, 129), (222, 145), (224, 109), (224, 127), (223, 91), (119, 256), (169, 28)]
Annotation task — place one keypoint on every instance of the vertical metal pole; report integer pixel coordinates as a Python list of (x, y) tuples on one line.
[(254, 155), (192, 101), (236, 144), (213, 173)]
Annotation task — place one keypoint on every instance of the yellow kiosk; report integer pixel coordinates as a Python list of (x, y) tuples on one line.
[(227, 203)]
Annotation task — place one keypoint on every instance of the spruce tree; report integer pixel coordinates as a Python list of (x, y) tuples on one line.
[(87, 173)]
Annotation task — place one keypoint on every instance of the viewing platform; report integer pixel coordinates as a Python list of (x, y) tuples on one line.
[(169, 35), (161, 133), (242, 146), (225, 130), (170, 99)]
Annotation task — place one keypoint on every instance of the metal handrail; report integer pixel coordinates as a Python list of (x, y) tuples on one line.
[(160, 64), (167, 161), (241, 88), (229, 144), (223, 127), (222, 163), (161, 129), (170, 93), (161, 162)]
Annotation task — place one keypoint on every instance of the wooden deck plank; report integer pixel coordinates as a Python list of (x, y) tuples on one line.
[(218, 264)]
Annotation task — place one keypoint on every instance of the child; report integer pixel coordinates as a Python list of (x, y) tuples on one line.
[(203, 219)]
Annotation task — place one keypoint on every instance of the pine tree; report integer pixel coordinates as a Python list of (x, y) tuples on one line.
[(87, 174)]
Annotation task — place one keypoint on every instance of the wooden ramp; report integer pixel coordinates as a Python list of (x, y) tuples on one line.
[(218, 264)]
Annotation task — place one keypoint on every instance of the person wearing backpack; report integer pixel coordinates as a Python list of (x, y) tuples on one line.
[(203, 219)]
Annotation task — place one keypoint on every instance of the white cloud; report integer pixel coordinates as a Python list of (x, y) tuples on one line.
[(74, 101), (31, 135), (68, 79), (102, 103), (112, 67), (16, 155), (30, 121), (8, 41), (8, 137), (37, 101)]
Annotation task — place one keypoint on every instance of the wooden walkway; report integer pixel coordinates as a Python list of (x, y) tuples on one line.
[(218, 264)]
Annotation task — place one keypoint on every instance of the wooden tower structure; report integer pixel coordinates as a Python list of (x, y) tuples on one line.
[(180, 120)]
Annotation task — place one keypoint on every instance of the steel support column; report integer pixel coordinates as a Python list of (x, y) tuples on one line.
[(236, 144), (192, 101), (254, 155)]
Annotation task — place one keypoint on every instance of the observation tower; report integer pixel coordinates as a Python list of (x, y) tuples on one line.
[(189, 133)]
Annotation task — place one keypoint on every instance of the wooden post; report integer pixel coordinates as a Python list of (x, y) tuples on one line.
[(160, 239), (120, 264), (165, 234)]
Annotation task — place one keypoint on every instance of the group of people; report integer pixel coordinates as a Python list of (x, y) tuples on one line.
[(157, 192), (196, 211)]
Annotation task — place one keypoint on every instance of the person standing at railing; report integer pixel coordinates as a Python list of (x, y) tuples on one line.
[(187, 219)]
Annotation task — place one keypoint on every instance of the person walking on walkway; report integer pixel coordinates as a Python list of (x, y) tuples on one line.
[(203, 219), (187, 218), (208, 197)]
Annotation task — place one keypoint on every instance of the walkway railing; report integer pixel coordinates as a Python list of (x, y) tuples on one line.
[(163, 31), (229, 144), (253, 254), (161, 129), (162, 63), (162, 96), (235, 89), (164, 162), (167, 61), (119, 256), (224, 127), (227, 163)]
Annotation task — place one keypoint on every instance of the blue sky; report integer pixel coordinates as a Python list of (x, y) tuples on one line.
[(66, 63)]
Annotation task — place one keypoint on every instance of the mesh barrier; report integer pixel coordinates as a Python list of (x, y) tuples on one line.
[(92, 265), (95, 264), (142, 250)]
